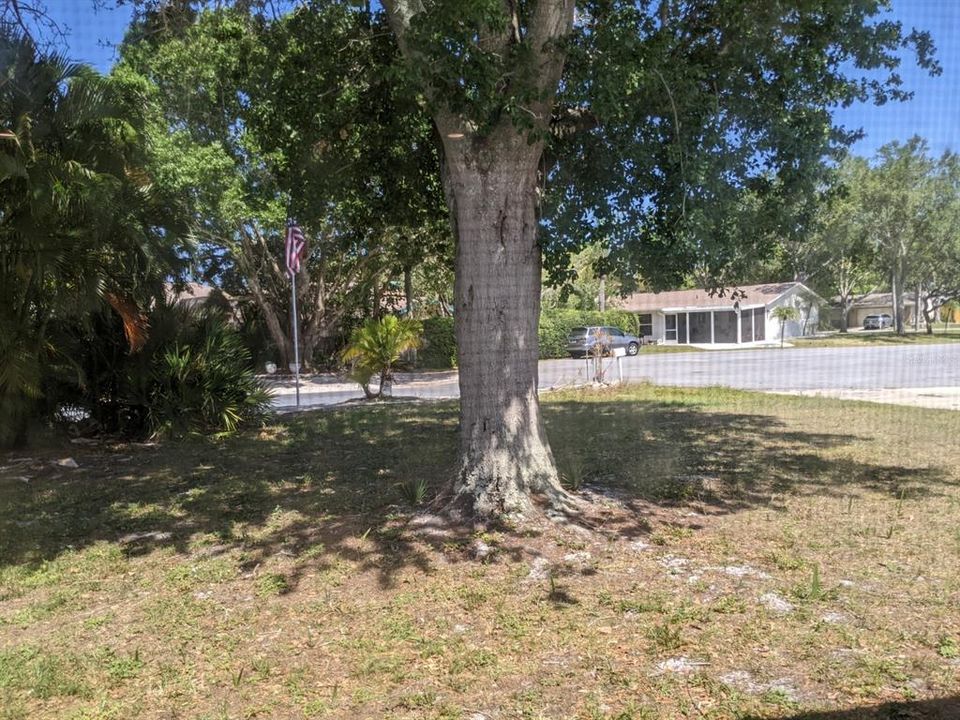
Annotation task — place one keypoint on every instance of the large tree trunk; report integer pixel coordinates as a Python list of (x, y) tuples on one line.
[(490, 179), (504, 455)]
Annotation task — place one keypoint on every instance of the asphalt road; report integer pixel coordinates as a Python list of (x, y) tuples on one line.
[(766, 369)]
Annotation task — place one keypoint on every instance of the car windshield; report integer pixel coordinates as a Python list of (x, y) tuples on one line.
[(578, 332)]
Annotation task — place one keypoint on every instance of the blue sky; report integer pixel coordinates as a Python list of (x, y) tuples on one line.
[(934, 113)]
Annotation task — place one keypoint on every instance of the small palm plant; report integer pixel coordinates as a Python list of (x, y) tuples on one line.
[(785, 313), (375, 346)]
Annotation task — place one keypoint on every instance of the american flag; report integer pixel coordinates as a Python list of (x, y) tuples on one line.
[(296, 247)]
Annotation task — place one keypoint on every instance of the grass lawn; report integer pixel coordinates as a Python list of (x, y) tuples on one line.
[(748, 556), (656, 349), (880, 338)]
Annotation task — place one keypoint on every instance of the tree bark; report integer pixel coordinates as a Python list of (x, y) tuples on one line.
[(916, 308), (897, 304), (247, 258), (929, 315), (490, 180), (504, 455), (280, 337)]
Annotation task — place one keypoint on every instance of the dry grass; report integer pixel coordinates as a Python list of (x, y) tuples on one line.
[(279, 574)]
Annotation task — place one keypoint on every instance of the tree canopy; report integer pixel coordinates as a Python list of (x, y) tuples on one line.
[(242, 128)]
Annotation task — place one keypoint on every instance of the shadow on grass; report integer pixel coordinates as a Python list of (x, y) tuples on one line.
[(328, 486), (940, 709)]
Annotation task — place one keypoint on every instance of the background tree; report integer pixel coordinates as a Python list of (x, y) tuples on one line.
[(895, 202), (904, 204), (240, 129), (937, 265), (578, 284), (842, 241)]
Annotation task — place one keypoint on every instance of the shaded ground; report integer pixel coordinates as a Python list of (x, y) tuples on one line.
[(746, 556)]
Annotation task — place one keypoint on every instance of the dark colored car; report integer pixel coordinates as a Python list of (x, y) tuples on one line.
[(877, 322), (583, 341)]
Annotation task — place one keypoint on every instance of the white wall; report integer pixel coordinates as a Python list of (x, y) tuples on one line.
[(809, 312), (659, 326)]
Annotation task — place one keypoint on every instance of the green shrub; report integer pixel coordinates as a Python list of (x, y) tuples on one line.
[(439, 349), (555, 326), (199, 377), (20, 378), (553, 333)]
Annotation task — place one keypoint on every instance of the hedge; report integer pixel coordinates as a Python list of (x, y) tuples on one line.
[(555, 326), (440, 348)]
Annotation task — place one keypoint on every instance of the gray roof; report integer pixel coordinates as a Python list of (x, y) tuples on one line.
[(749, 295), (194, 293), (880, 300)]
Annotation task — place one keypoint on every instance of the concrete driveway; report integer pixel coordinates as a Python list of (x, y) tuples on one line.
[(830, 371)]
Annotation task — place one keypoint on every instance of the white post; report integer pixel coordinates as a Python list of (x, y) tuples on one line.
[(296, 339)]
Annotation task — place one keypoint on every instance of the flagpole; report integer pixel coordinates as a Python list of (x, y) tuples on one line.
[(296, 339)]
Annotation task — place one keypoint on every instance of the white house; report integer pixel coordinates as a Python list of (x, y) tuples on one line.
[(743, 315)]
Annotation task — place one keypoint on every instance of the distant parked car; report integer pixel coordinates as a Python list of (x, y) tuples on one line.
[(583, 340), (877, 322)]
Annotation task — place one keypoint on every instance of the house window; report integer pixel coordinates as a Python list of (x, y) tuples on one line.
[(700, 327), (670, 327), (759, 317), (646, 325), (725, 326)]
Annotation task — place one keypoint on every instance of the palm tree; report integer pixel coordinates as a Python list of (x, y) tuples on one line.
[(375, 346), (78, 221), (785, 313)]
